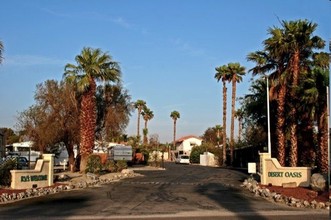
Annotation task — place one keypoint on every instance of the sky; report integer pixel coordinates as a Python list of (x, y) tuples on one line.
[(167, 50)]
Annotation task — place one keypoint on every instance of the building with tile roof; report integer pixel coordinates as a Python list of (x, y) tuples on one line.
[(185, 144)]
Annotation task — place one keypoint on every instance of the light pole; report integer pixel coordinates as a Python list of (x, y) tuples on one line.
[(268, 116)]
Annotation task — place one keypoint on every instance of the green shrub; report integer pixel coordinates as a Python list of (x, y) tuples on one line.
[(195, 153), (146, 156), (110, 166), (121, 165), (155, 160), (5, 175), (94, 164)]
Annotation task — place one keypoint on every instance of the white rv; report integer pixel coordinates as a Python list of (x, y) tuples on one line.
[(120, 152)]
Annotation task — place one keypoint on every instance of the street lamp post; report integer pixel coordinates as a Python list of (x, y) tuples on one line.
[(268, 116)]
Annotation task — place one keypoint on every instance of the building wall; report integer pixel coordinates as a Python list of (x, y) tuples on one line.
[(187, 145)]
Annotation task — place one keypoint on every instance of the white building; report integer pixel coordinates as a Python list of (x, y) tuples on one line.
[(185, 144)]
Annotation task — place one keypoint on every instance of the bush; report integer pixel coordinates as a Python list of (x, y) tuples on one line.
[(110, 166), (155, 160), (195, 153), (5, 175), (121, 165), (94, 164)]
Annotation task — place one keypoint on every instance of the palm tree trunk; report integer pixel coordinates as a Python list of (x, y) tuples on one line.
[(280, 125), (240, 128), (174, 142), (71, 156), (145, 133), (224, 124), (138, 123), (293, 127), (87, 124), (233, 106), (322, 153)]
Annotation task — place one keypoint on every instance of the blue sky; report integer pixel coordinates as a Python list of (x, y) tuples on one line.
[(167, 49)]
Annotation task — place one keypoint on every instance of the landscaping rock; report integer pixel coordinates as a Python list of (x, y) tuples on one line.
[(253, 187), (318, 182), (73, 182)]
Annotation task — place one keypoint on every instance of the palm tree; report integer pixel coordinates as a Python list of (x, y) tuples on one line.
[(274, 59), (1, 51), (300, 45), (322, 84), (314, 95), (92, 65), (235, 76), (147, 115), (218, 129), (239, 114), (223, 74), (174, 115), (139, 105)]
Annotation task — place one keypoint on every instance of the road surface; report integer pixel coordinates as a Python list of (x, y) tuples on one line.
[(178, 192)]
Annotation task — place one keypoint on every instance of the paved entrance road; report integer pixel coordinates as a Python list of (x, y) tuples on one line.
[(179, 192)]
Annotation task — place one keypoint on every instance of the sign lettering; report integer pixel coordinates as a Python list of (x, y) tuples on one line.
[(33, 178), (285, 174)]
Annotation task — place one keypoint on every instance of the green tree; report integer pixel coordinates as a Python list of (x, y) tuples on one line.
[(273, 59), (91, 65), (213, 135), (10, 135), (175, 115), (239, 114), (254, 107), (287, 56), (113, 111), (314, 103), (147, 116), (300, 45), (222, 73), (139, 105), (53, 119)]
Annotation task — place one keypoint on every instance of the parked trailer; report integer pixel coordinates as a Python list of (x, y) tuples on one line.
[(120, 152)]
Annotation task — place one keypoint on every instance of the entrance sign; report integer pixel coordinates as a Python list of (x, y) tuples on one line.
[(273, 173), (41, 176)]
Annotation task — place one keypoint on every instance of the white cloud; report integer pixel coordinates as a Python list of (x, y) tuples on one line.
[(56, 13), (119, 21), (32, 60), (188, 48)]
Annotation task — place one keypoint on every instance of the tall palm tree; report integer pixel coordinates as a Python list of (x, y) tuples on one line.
[(273, 59), (300, 45), (222, 73), (92, 64), (175, 116), (236, 71), (314, 95), (147, 115), (1, 51), (139, 105)]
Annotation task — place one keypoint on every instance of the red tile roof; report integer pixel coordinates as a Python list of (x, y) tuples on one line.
[(187, 137)]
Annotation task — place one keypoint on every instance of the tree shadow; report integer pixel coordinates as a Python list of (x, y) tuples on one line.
[(41, 208), (230, 198)]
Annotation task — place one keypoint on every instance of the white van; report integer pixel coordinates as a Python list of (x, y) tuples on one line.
[(183, 159)]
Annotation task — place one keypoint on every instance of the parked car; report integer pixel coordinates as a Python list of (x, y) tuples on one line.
[(182, 159), (22, 163)]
